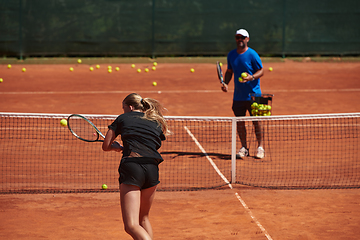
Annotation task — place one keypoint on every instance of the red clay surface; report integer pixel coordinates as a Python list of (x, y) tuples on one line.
[(299, 88)]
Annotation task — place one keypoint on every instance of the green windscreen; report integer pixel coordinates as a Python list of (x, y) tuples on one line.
[(174, 27)]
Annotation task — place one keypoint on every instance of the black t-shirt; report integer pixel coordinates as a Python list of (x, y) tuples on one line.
[(139, 135)]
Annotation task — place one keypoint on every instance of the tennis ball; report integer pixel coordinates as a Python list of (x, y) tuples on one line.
[(79, 61), (192, 70), (23, 69), (104, 186), (255, 105), (117, 68), (146, 70), (139, 70), (220, 64), (109, 67), (153, 68), (244, 75), (1, 80), (9, 66), (91, 69), (133, 65), (155, 63), (154, 84), (240, 79), (270, 69), (109, 70), (63, 122), (97, 66), (71, 69)]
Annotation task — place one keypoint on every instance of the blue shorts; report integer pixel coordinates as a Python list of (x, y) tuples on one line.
[(240, 107), (143, 175)]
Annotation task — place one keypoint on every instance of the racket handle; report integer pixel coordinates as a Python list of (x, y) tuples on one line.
[(116, 146), (224, 87)]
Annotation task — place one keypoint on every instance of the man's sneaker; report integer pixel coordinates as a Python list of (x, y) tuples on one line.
[(260, 153), (243, 152)]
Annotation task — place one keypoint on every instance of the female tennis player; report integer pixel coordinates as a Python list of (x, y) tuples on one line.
[(142, 128)]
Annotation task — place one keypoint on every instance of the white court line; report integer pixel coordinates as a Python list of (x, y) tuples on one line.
[(208, 158), (267, 235), (114, 92), (253, 217), (183, 91)]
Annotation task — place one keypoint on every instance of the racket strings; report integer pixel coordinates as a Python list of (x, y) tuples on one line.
[(83, 129)]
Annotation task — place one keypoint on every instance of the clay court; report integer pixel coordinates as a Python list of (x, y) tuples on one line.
[(299, 87)]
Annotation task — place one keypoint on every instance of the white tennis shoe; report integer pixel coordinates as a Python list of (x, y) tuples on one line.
[(260, 153), (243, 152)]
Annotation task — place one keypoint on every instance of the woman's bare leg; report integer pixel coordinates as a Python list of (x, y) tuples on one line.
[(147, 197), (132, 203)]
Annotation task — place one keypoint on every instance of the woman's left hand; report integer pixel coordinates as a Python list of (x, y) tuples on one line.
[(116, 146)]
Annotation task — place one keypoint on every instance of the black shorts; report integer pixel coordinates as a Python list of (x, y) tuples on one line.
[(143, 175), (240, 107)]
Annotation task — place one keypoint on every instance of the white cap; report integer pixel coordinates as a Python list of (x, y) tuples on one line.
[(242, 32)]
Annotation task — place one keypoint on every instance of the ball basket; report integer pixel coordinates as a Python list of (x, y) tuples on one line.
[(261, 104)]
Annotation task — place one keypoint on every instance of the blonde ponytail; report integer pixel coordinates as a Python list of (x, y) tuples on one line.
[(152, 109)]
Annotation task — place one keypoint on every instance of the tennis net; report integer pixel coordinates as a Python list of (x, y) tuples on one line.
[(301, 152)]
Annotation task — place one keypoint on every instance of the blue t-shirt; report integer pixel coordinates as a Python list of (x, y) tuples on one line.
[(249, 62)]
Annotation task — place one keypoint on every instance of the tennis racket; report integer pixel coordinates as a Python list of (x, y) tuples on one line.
[(84, 129), (220, 73)]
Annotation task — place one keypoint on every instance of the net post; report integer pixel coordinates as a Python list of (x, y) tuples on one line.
[(233, 150)]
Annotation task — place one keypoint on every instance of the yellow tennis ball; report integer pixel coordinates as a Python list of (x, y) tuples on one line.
[(79, 61), (153, 68), (240, 79), (254, 105), (98, 66), (117, 68), (154, 84), (63, 122), (270, 69), (146, 70), (109, 67), (192, 70), (91, 69), (109, 70), (244, 75), (104, 186), (1, 80), (220, 64), (133, 65), (139, 70), (155, 63), (9, 66), (71, 69), (23, 69)]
